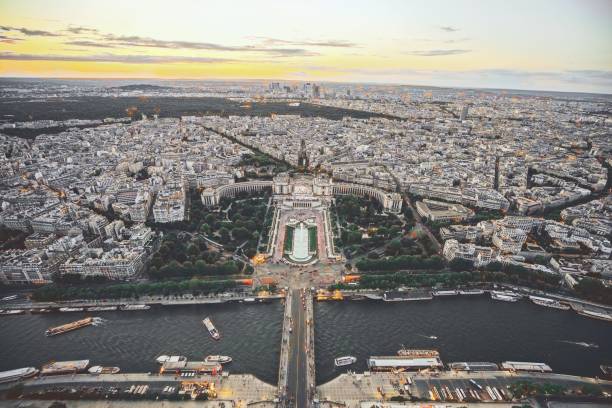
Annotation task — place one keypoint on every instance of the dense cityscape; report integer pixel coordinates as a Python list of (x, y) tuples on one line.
[(410, 194), (321, 204)]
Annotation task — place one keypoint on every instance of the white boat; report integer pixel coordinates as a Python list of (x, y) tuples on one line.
[(7, 298), (471, 292), (249, 300), (134, 307), (344, 361), (11, 312), (505, 296), (555, 304), (103, 370), (170, 359), (218, 359), (18, 374), (71, 309), (212, 330), (596, 315), (101, 308), (444, 293)]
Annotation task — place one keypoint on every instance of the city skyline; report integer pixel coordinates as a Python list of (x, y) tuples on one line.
[(557, 46)]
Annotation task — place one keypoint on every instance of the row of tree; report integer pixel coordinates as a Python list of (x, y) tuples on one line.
[(56, 292), (175, 269), (396, 263)]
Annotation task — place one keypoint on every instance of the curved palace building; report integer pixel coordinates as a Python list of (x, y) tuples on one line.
[(301, 230)]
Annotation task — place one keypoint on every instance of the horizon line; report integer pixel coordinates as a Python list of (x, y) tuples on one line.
[(305, 80)]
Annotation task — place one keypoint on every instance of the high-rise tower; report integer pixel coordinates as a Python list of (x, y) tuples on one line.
[(303, 156)]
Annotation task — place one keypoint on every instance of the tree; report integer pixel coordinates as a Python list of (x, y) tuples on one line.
[(240, 233), (224, 234), (459, 264)]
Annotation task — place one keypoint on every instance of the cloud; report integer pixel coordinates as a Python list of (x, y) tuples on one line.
[(29, 32), (437, 53), (309, 43), (127, 59), (81, 30), (449, 29), (137, 41), (9, 40), (88, 43)]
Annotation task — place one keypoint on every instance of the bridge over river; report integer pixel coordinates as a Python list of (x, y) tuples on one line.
[(296, 384)]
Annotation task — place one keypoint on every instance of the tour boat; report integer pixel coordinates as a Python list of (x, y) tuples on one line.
[(71, 309), (214, 333), (103, 370), (165, 359), (555, 304), (134, 307), (344, 361), (218, 359), (505, 296)]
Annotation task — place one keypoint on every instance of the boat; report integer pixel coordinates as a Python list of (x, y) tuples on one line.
[(505, 296), (101, 308), (373, 296), (218, 359), (444, 293), (471, 292), (555, 304), (11, 312), (525, 366), (344, 361), (71, 309), (596, 315), (53, 331), (404, 296), (214, 333), (17, 374), (473, 366), (417, 353), (190, 368), (7, 298), (249, 300), (103, 370), (64, 367), (40, 311), (164, 359), (134, 307)]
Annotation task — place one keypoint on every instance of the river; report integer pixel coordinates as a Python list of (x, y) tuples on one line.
[(132, 340), (466, 329)]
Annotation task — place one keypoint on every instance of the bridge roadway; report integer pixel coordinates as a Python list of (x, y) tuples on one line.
[(300, 356)]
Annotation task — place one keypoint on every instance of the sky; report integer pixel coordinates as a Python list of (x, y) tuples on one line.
[(559, 45)]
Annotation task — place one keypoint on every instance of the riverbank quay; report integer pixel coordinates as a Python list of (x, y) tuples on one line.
[(134, 404), (145, 300), (352, 390), (407, 294), (237, 389)]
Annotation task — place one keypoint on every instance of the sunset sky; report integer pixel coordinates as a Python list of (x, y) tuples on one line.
[(561, 45)]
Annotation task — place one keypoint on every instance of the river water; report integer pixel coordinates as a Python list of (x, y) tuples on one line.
[(132, 340), (466, 329)]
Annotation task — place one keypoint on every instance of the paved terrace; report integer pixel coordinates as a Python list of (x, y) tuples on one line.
[(235, 389), (353, 390)]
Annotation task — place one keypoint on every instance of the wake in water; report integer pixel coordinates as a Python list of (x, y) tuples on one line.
[(98, 321), (580, 343), (428, 337)]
